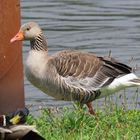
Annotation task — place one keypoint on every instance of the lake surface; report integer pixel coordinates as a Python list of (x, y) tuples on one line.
[(90, 25)]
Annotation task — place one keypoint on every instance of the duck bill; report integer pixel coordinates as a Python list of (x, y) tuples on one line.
[(18, 37), (15, 120)]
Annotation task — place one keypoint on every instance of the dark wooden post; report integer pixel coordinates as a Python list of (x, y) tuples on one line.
[(11, 69)]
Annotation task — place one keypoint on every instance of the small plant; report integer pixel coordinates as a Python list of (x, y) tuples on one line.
[(77, 124)]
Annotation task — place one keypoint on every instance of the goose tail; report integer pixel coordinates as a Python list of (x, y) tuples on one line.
[(135, 81), (128, 80)]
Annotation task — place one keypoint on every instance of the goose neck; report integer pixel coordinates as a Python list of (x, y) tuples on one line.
[(39, 43)]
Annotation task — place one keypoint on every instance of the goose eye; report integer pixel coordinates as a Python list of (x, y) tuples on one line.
[(28, 29)]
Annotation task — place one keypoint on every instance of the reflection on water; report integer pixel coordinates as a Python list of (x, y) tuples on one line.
[(96, 26)]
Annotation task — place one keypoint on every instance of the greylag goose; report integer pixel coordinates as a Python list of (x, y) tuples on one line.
[(71, 74)]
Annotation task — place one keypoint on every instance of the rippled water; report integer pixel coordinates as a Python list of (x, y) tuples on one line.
[(91, 25)]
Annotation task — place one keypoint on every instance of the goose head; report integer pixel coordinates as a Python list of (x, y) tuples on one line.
[(28, 31)]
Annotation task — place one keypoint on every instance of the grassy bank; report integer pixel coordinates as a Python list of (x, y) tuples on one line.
[(77, 124)]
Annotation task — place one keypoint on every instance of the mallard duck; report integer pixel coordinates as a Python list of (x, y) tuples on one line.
[(14, 118), (72, 74), (19, 132)]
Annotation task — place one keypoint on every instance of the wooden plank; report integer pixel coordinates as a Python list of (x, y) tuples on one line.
[(11, 69)]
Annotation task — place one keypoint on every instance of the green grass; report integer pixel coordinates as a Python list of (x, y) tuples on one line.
[(77, 124)]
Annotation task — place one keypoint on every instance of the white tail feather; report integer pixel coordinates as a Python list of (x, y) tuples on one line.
[(120, 83), (126, 81), (135, 81)]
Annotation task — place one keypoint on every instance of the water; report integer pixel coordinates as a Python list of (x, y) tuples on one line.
[(92, 25)]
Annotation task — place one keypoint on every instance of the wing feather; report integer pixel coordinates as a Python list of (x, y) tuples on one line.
[(86, 71)]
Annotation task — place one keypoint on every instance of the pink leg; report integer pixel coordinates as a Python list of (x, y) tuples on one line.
[(90, 108)]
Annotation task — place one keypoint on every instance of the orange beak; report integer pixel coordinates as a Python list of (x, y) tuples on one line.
[(18, 37)]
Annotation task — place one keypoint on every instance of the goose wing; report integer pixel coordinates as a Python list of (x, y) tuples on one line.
[(87, 71)]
